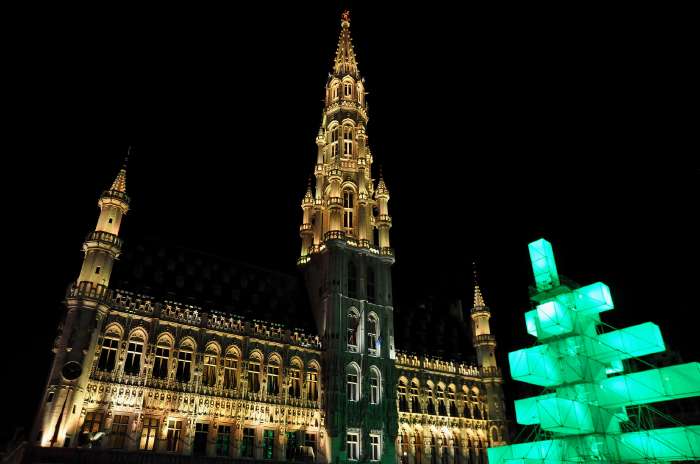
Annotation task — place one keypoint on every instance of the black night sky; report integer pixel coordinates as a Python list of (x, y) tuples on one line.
[(494, 128)]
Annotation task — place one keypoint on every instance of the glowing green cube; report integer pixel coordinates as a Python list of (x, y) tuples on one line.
[(526, 409), (534, 365), (630, 342), (543, 265), (554, 318), (564, 416), (594, 298), (531, 322), (671, 444)]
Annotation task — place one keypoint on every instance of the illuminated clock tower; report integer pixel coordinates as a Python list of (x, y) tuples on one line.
[(346, 259)]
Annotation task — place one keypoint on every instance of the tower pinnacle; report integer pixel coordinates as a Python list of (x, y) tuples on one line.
[(478, 297), (345, 60)]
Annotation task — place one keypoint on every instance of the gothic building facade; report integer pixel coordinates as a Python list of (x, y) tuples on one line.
[(140, 370)]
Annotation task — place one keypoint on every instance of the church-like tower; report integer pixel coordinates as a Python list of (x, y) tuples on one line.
[(485, 345), (87, 303), (346, 259)]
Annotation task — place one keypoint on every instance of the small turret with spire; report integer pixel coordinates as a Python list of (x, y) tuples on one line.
[(484, 340), (103, 245)]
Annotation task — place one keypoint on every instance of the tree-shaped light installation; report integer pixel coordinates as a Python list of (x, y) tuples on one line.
[(586, 389)]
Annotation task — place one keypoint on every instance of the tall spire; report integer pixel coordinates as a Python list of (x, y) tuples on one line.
[(345, 60), (478, 297), (119, 184)]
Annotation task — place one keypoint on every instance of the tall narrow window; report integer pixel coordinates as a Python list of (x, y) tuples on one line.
[(173, 437), (347, 140), (160, 365), (415, 403), (451, 400), (117, 435), (230, 370), (353, 443), (431, 400), (372, 335), (248, 443), (132, 365), (184, 364), (374, 387), (201, 432), (108, 355), (254, 375), (223, 440), (149, 434), (268, 444), (348, 89), (334, 141), (273, 378), (403, 401), (442, 410), (209, 371), (310, 442), (348, 210), (353, 326), (352, 280), (370, 285), (334, 91), (375, 447), (353, 384), (294, 382), (312, 382)]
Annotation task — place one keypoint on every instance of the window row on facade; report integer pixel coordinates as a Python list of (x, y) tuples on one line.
[(218, 370), (440, 400), (347, 88), (173, 435), (441, 447), (363, 332)]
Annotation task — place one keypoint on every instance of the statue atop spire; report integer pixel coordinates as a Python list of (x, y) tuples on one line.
[(345, 59)]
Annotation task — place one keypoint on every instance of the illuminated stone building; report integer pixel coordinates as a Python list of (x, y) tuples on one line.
[(173, 351)]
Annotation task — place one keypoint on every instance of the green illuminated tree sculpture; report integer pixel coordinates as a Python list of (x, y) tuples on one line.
[(587, 391)]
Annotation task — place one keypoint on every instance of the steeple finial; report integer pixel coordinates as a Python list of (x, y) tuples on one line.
[(345, 60), (478, 297), (119, 184)]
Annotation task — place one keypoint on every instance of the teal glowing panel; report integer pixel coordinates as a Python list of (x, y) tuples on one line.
[(531, 322), (654, 385), (547, 451), (671, 444), (554, 319), (534, 365), (630, 342), (594, 298), (526, 409), (564, 416), (543, 265)]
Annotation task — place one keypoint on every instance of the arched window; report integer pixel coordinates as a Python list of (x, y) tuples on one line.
[(211, 359), (352, 280), (373, 335), (162, 357), (134, 352), (108, 353), (353, 329), (431, 400), (370, 285), (273, 377), (347, 141), (360, 94), (334, 141), (415, 403), (348, 209), (451, 398), (312, 383), (403, 394), (442, 410), (295, 380), (230, 369), (334, 91), (374, 386), (184, 362), (348, 88), (254, 373), (353, 382)]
